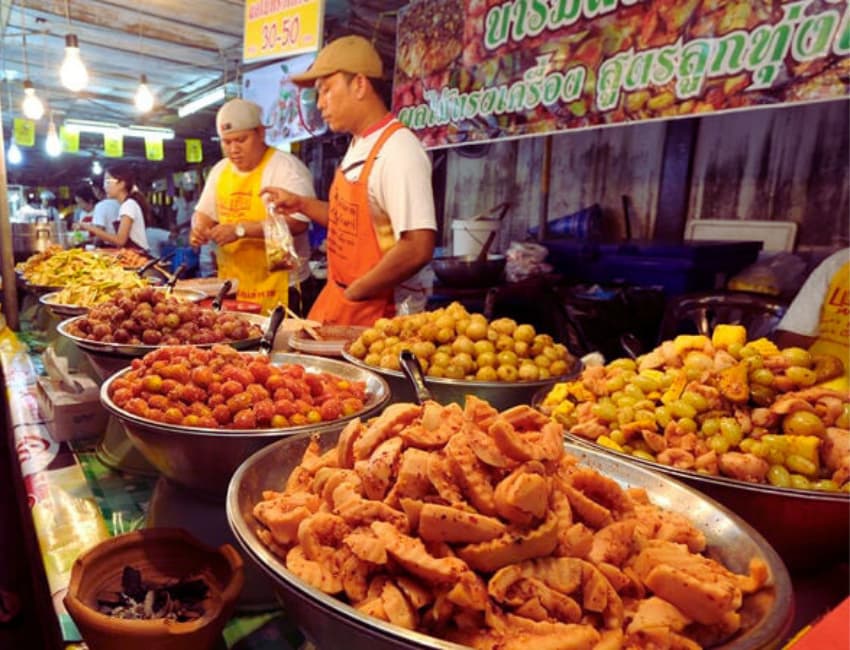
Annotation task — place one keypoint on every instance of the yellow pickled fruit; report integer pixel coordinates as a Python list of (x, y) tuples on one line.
[(803, 423), (486, 359), (779, 476), (358, 349), (764, 347), (370, 336), (463, 344), (699, 361), (507, 358), (504, 326), (725, 335), (762, 395), (528, 371), (507, 373), (486, 373), (803, 377), (797, 356), (483, 345), (685, 342), (525, 333)]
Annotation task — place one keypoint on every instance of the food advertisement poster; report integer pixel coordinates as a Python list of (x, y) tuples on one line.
[(289, 114), (479, 70)]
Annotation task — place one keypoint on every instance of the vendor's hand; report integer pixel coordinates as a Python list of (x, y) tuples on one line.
[(198, 236), (223, 233), (284, 202)]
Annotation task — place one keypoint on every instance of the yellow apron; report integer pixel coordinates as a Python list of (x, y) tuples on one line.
[(834, 329), (238, 200)]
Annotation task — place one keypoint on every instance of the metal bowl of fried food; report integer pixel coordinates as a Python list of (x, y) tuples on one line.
[(325, 619), (500, 394), (203, 459), (808, 528), (60, 309)]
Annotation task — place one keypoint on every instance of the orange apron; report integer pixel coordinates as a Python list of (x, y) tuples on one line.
[(238, 200), (353, 249), (834, 329)]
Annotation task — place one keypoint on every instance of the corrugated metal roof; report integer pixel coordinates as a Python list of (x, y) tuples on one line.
[(184, 48)]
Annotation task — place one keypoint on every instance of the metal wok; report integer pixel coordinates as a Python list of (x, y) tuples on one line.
[(203, 459), (500, 394), (808, 528), (325, 619), (469, 272)]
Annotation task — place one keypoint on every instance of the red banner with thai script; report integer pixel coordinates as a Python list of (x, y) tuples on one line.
[(478, 70)]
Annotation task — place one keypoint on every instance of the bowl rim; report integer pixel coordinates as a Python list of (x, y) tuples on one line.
[(220, 600), (471, 384), (779, 577), (379, 401)]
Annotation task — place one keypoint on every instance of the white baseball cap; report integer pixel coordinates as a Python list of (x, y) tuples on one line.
[(238, 115)]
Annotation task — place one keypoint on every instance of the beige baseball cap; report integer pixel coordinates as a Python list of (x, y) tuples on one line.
[(353, 54), (238, 115)]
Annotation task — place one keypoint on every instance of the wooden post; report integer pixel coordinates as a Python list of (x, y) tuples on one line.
[(545, 173), (7, 251)]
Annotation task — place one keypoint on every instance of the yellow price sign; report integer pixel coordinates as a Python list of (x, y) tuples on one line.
[(70, 139), (272, 32), (24, 132), (194, 150), (154, 149), (113, 145)]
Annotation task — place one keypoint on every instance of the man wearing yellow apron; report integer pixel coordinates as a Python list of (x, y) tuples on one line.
[(380, 212), (819, 316), (230, 211)]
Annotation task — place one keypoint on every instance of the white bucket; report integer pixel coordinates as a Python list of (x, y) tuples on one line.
[(469, 236)]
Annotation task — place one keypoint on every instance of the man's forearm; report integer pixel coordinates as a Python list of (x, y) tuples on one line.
[(314, 208), (398, 264)]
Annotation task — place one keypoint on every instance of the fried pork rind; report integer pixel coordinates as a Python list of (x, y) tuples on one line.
[(476, 526)]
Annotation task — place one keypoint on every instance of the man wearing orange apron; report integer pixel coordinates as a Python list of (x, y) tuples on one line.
[(230, 211), (380, 212), (819, 316)]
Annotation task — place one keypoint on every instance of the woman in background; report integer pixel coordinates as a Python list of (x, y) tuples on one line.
[(119, 182)]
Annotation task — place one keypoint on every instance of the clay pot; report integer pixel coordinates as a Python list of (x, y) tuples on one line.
[(161, 555)]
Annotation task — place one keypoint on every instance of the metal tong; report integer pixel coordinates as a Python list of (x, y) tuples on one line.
[(276, 318), (151, 263), (169, 286), (413, 371), (219, 297)]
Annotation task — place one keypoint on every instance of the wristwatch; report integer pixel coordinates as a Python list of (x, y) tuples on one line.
[(239, 230)]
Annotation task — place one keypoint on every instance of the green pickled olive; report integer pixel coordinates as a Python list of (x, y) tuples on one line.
[(645, 455), (798, 356), (605, 411), (803, 377), (710, 426), (634, 391), (762, 377), (617, 436), (735, 349), (614, 384), (644, 415), (803, 423), (779, 476), (663, 415), (682, 409), (827, 485), (699, 402), (623, 363), (800, 482), (645, 383), (731, 430), (688, 425), (754, 362), (800, 465), (625, 414), (762, 395), (644, 405), (718, 444), (625, 401)]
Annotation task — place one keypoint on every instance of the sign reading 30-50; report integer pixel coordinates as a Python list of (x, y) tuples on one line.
[(280, 28)]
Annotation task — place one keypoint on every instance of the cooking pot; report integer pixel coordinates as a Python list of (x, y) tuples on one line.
[(469, 272), (31, 238)]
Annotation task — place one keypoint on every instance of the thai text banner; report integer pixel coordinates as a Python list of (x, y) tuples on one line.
[(479, 70)]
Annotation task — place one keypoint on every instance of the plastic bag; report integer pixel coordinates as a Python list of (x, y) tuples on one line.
[(525, 260), (778, 274), (280, 245)]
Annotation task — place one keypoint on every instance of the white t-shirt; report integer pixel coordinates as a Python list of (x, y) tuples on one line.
[(803, 315), (105, 214), (130, 208), (399, 186), (282, 170)]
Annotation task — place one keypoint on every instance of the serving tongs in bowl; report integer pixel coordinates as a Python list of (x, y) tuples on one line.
[(147, 266), (169, 286), (275, 319), (222, 292), (413, 371)]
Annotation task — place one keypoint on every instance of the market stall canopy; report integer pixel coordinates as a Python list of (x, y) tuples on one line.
[(184, 48)]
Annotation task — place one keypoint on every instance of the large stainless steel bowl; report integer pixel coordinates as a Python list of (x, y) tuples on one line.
[(500, 394), (808, 528), (326, 620), (127, 350), (204, 459)]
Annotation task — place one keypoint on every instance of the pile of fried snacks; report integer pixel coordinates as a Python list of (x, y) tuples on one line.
[(477, 527)]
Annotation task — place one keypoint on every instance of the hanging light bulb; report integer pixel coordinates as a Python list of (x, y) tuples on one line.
[(52, 144), (96, 168), (144, 96), (32, 106), (73, 72), (14, 155)]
